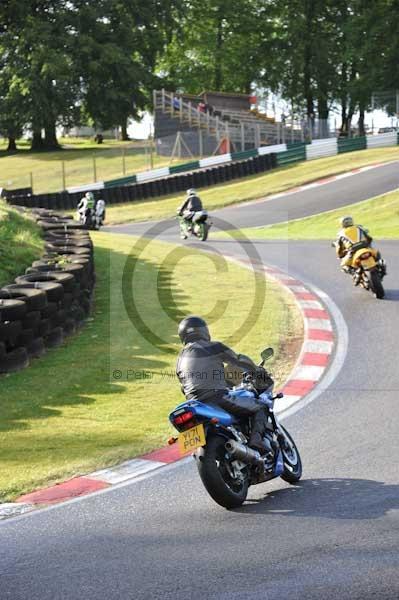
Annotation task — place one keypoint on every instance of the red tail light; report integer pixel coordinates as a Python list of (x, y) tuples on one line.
[(183, 418)]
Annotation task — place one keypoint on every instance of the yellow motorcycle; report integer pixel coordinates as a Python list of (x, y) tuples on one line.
[(367, 269)]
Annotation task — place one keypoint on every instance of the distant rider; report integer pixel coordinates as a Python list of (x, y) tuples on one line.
[(190, 206), (86, 206), (100, 212), (200, 369), (350, 239)]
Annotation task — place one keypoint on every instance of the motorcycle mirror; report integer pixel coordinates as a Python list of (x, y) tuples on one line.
[(267, 353)]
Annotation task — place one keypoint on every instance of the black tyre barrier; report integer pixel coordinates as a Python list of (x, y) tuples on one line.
[(31, 320), (51, 309), (14, 360), (69, 241), (54, 291), (69, 326), (58, 318), (44, 327), (10, 331), (54, 338), (34, 299), (25, 337), (54, 297), (65, 280), (12, 310), (36, 348)]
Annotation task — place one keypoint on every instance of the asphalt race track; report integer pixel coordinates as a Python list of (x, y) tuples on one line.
[(333, 536)]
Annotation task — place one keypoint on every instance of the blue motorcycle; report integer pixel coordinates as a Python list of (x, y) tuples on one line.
[(219, 441)]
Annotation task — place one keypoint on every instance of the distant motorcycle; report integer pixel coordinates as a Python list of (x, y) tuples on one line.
[(198, 225), (87, 218), (226, 464), (367, 269)]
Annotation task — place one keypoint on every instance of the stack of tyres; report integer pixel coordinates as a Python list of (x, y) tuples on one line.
[(52, 299), (13, 355)]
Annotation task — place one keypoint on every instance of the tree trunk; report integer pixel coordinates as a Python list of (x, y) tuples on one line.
[(50, 138), (12, 145), (124, 134), (361, 120), (218, 52), (307, 63), (37, 140), (323, 110)]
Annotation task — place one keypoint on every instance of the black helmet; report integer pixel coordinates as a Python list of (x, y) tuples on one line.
[(192, 329)]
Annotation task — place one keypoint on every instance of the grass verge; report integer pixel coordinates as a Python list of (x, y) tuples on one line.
[(380, 215), (112, 159), (20, 243), (254, 187), (68, 413)]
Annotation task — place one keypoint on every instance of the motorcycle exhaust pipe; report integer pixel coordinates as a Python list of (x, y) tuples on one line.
[(243, 453)]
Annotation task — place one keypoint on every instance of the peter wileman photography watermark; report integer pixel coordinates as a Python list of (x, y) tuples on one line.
[(146, 300)]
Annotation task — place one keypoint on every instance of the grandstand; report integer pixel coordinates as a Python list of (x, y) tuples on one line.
[(214, 122)]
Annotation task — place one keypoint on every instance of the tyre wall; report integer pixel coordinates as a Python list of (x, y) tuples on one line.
[(51, 301)]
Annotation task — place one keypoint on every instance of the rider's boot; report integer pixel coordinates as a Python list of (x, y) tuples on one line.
[(261, 444)]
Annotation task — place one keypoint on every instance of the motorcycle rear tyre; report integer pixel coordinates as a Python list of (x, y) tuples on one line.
[(212, 478), (376, 285), (203, 231)]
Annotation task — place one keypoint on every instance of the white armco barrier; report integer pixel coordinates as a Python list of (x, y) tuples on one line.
[(215, 160), (320, 148), (99, 185), (270, 149), (382, 139), (154, 174)]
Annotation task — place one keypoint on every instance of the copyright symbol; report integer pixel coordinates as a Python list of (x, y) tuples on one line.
[(117, 374), (159, 295)]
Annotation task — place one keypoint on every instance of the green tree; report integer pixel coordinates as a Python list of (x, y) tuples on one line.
[(216, 46)]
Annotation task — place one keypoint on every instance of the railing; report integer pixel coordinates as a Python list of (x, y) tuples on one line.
[(245, 133)]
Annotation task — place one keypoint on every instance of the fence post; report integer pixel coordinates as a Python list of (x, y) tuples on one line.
[(292, 128), (181, 109), (179, 144), (124, 161), (227, 134), (200, 143), (163, 100), (63, 175), (94, 169), (31, 180), (242, 137), (151, 153), (258, 135), (189, 113)]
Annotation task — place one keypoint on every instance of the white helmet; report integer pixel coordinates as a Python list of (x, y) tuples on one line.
[(346, 222), (191, 192)]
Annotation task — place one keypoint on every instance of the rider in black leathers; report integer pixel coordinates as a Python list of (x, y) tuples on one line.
[(190, 206), (200, 369)]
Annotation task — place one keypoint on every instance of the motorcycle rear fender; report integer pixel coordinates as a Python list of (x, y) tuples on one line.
[(206, 412), (356, 258)]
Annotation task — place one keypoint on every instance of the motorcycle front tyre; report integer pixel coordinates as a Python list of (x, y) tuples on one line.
[(291, 459)]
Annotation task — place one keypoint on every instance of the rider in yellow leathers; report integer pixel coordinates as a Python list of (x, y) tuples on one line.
[(351, 238)]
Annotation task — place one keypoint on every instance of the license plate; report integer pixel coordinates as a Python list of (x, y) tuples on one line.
[(191, 439), (367, 263)]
